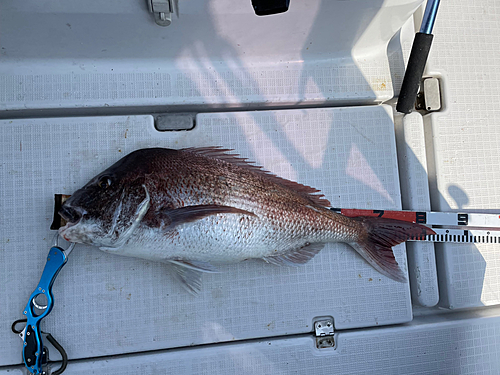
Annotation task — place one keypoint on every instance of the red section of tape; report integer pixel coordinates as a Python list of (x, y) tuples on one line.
[(410, 216)]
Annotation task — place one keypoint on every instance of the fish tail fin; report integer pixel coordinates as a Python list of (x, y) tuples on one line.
[(379, 236)]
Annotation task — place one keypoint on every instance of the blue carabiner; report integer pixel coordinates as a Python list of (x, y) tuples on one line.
[(32, 337)]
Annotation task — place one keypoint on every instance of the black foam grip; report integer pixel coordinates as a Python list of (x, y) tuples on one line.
[(414, 70)]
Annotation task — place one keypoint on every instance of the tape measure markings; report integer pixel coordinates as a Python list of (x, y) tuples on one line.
[(489, 224)]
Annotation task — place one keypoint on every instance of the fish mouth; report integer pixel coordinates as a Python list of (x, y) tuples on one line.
[(71, 215)]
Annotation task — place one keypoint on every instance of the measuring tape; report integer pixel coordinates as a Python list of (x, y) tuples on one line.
[(481, 228)]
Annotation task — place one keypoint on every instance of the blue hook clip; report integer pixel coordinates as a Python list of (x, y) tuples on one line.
[(35, 310)]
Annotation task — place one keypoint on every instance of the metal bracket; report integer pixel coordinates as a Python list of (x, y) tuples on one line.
[(429, 97), (324, 331), (162, 10)]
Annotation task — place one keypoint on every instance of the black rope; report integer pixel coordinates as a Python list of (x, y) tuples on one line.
[(61, 350), (13, 327)]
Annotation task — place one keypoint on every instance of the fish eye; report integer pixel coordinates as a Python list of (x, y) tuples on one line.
[(104, 182)]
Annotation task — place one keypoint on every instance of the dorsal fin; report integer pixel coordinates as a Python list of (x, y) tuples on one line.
[(221, 154)]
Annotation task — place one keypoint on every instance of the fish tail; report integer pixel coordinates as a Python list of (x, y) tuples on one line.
[(377, 238)]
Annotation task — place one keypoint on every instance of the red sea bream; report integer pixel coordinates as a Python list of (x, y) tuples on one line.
[(197, 207)]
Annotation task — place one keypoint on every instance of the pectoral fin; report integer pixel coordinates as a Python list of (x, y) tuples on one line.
[(189, 273), (189, 214), (297, 256)]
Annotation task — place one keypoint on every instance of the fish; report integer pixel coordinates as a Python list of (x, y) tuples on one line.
[(195, 208)]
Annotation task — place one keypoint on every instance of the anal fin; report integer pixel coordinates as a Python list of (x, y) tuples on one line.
[(297, 256)]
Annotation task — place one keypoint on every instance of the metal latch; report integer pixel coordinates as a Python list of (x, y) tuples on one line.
[(162, 10), (429, 98), (175, 121), (324, 333)]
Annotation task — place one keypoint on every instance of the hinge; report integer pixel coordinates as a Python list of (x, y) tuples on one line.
[(162, 10), (324, 333)]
